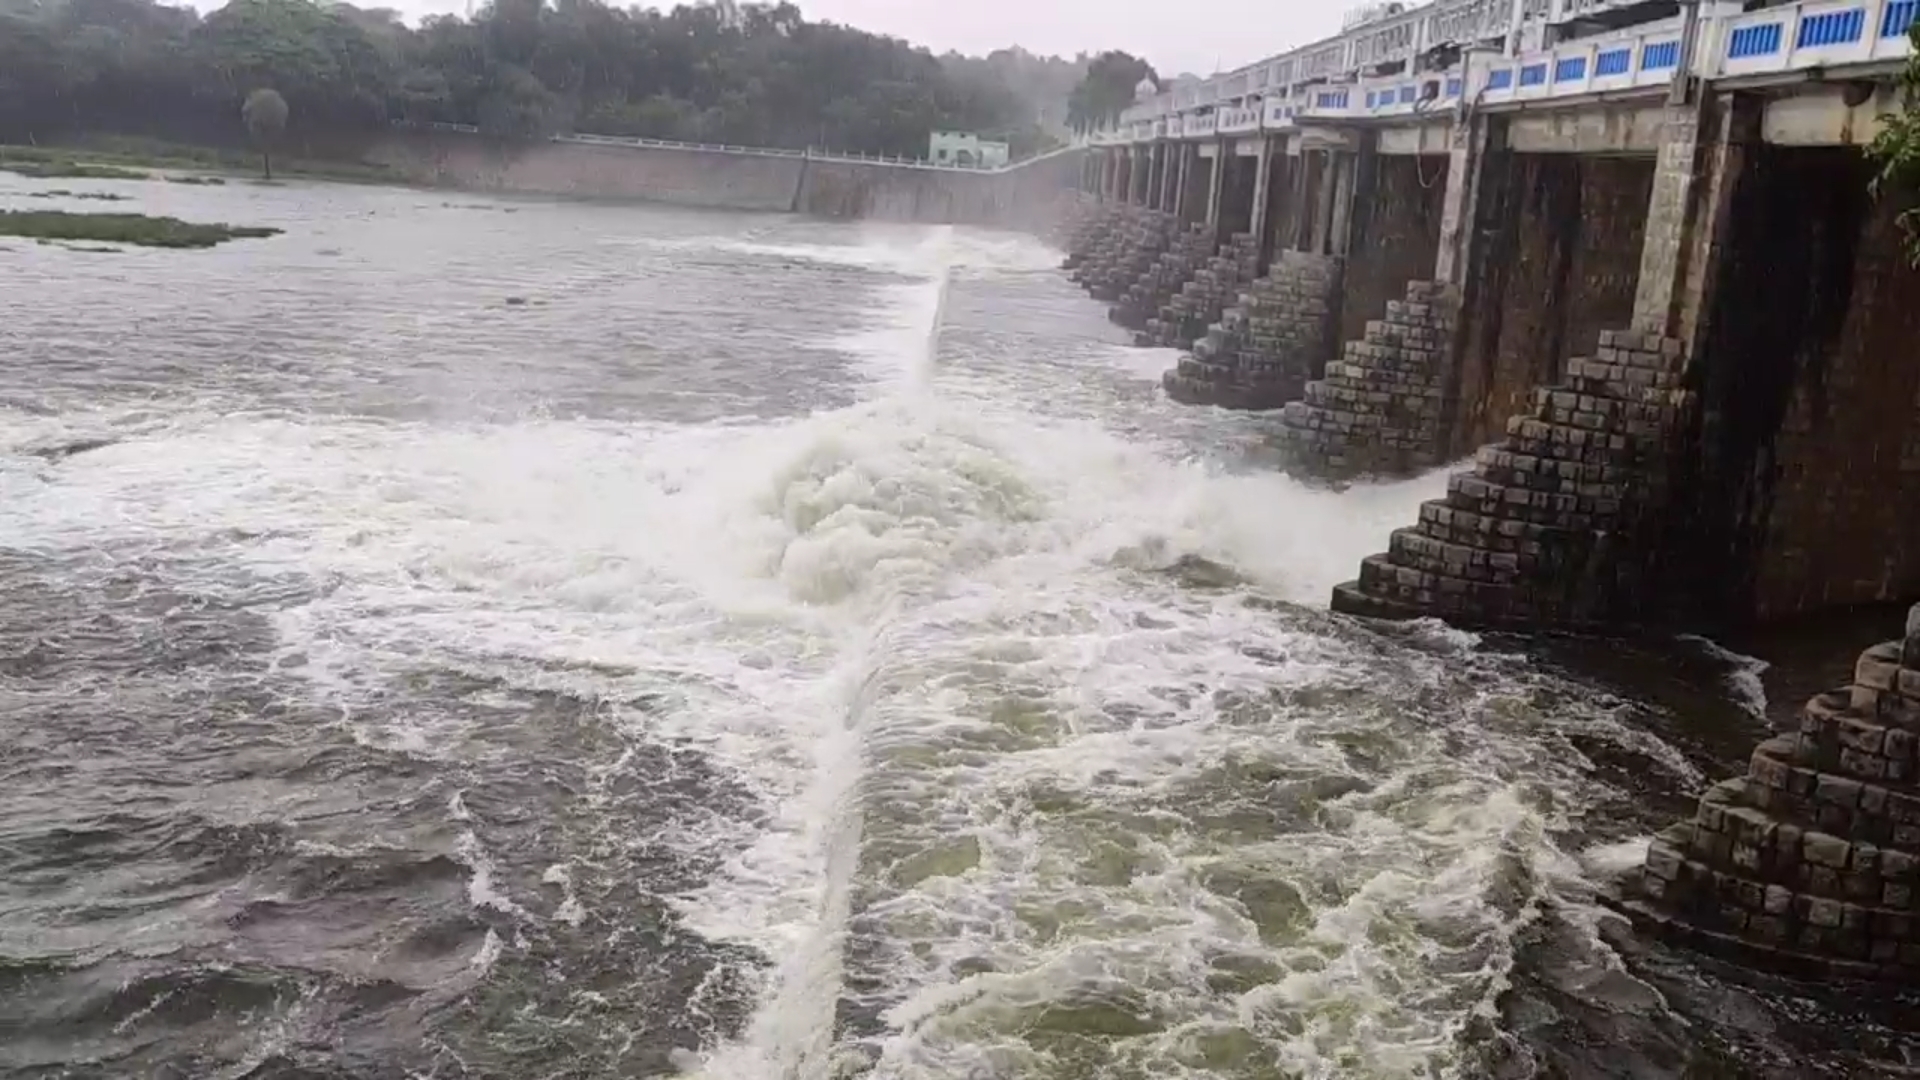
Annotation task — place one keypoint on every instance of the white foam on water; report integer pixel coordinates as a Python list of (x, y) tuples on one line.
[(1745, 679), (1074, 815)]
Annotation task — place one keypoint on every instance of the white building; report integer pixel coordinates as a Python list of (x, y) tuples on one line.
[(966, 149)]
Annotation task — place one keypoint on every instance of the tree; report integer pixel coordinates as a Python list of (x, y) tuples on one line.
[(744, 73), (1107, 89), (265, 114), (1897, 148)]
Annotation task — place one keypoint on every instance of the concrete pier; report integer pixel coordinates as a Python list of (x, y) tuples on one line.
[(1540, 255), (1630, 273), (1811, 861)]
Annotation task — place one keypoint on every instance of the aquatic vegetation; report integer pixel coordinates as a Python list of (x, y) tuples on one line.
[(92, 196), (140, 229), (59, 169)]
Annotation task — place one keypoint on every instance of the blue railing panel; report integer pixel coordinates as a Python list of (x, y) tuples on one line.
[(1337, 100), (1831, 28), (1572, 69), (1503, 79), (1372, 99), (1409, 95), (1617, 62), (1454, 87), (1533, 75), (1661, 55), (1761, 40), (1899, 18)]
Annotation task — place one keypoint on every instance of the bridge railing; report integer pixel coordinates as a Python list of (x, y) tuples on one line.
[(1324, 81), (1816, 33), (1639, 56)]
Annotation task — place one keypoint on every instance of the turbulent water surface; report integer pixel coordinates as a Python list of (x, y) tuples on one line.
[(466, 638)]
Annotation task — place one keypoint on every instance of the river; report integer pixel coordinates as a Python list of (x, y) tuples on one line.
[(523, 639)]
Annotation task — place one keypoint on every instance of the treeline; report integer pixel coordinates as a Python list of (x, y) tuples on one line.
[(718, 72)]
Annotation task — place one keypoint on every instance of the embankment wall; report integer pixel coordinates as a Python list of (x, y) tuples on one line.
[(686, 176)]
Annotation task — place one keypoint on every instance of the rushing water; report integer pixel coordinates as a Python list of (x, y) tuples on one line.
[(470, 638)]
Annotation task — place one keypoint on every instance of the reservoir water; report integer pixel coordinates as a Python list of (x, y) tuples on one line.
[(515, 639)]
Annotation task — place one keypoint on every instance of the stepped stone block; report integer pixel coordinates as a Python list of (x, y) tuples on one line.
[(1164, 277), (1269, 344), (1064, 231), (1127, 253), (1202, 301), (1811, 861), (1552, 525), (1107, 244), (1379, 409), (1091, 231)]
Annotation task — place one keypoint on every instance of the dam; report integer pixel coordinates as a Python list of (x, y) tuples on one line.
[(1626, 261)]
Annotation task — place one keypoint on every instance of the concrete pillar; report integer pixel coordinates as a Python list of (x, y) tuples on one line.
[(1183, 175), (1695, 173), (1330, 170), (1218, 178), (1466, 154), (1300, 222), (1262, 177), (1355, 183), (1169, 199)]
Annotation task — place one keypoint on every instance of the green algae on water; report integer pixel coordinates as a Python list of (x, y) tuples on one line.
[(140, 229), (69, 170), (62, 193)]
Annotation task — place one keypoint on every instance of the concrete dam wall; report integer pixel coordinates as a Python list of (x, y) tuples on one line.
[(1026, 194)]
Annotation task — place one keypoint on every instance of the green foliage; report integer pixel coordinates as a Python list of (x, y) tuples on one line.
[(265, 114), (148, 153), (60, 169), (1107, 89), (736, 73), (138, 229), (1897, 148)]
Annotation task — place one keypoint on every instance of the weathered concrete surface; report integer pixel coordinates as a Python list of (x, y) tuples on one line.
[(741, 181), (1812, 860), (687, 177), (1396, 233), (1557, 261), (1612, 130), (1808, 494), (1749, 449), (1379, 408)]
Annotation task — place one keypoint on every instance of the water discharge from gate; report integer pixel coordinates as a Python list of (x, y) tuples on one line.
[(773, 650)]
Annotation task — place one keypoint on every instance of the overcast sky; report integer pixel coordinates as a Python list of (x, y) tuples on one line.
[(1175, 35)]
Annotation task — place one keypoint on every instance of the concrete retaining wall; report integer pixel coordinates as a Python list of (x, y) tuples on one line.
[(1811, 438), (1562, 237), (584, 170), (1396, 234), (1024, 195)]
